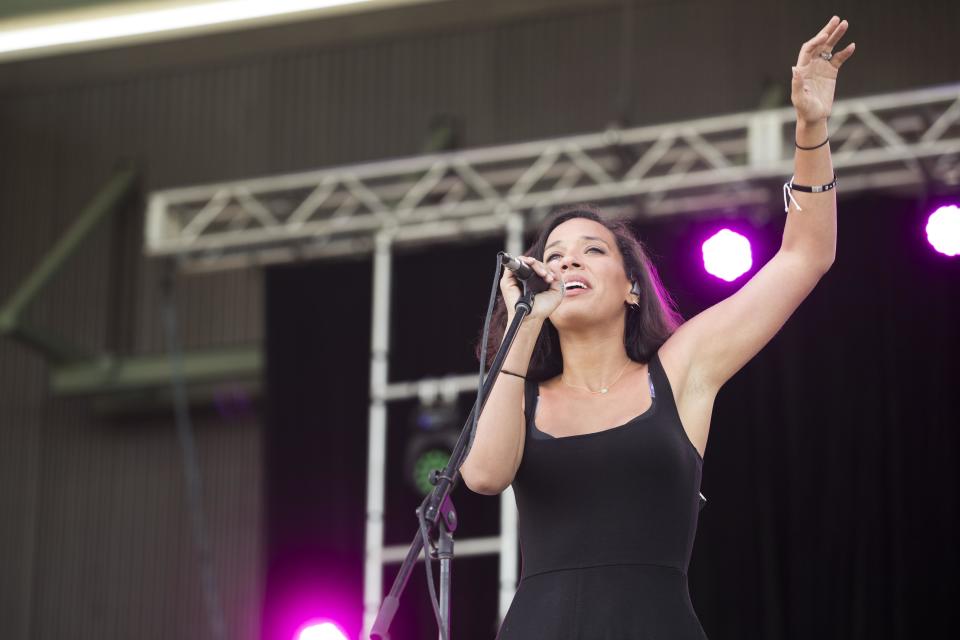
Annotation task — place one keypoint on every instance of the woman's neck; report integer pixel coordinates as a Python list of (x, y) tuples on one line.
[(592, 359)]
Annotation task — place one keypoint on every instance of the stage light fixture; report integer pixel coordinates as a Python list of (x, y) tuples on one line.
[(435, 426), (321, 630), (727, 255), (943, 230)]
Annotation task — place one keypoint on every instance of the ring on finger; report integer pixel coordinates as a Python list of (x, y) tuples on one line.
[(826, 55)]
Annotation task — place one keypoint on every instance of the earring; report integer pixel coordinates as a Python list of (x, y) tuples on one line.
[(635, 290)]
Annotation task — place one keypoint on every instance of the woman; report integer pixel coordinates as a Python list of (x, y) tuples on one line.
[(600, 417)]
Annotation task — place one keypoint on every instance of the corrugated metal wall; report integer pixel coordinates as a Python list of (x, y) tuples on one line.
[(94, 537)]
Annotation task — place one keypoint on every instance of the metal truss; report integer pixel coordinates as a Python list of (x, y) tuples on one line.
[(711, 164)]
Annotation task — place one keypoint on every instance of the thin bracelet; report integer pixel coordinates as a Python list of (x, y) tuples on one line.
[(789, 188), (811, 148), (511, 373)]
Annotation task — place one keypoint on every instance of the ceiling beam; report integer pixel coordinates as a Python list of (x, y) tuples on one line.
[(109, 26)]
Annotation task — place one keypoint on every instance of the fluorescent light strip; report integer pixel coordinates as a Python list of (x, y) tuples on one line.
[(154, 21)]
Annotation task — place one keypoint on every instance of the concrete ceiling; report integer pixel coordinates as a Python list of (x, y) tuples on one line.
[(383, 18), (108, 24)]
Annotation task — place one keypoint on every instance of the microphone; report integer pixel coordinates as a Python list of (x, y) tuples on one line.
[(519, 269), (523, 272)]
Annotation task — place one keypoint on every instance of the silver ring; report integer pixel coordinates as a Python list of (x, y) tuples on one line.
[(826, 55)]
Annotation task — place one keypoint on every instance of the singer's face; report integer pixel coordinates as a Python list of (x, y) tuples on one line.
[(584, 251)]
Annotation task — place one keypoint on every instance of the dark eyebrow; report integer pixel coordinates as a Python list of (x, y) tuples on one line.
[(582, 237)]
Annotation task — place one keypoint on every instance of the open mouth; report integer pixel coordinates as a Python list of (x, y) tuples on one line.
[(575, 286)]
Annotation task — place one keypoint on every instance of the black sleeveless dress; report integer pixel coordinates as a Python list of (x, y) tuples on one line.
[(607, 522)]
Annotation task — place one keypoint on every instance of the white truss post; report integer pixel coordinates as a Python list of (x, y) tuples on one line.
[(377, 446), (764, 139)]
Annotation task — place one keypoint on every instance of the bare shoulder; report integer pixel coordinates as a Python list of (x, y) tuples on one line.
[(693, 397)]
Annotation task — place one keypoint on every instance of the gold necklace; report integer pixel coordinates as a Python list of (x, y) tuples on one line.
[(603, 389)]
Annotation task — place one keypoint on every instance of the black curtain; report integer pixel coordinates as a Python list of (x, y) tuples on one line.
[(830, 470), (315, 445), (318, 322)]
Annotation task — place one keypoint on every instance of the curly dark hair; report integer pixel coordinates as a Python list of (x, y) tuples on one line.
[(646, 329)]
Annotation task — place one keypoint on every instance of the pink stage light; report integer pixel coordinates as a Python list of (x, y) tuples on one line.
[(321, 630), (943, 230), (727, 255)]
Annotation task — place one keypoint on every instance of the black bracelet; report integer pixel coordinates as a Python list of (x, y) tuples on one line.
[(820, 188), (511, 373), (789, 186), (811, 148)]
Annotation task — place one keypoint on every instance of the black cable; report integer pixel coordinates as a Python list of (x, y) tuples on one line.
[(483, 348), (191, 464)]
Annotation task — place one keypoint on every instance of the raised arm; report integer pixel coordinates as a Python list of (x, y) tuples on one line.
[(812, 233), (715, 344)]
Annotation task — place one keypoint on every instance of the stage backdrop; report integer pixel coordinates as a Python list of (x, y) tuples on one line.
[(831, 469)]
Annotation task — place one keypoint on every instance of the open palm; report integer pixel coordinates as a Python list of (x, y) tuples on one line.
[(815, 76)]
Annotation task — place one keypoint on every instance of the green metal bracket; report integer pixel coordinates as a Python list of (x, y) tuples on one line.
[(120, 383), (54, 348), (109, 375)]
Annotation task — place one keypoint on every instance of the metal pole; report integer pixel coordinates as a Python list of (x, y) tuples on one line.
[(377, 446), (447, 525)]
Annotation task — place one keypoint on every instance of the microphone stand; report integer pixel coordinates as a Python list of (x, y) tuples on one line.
[(437, 507)]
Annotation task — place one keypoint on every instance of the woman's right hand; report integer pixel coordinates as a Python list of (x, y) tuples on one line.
[(544, 302)]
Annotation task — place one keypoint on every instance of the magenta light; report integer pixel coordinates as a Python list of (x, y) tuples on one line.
[(943, 230), (727, 255), (325, 630)]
